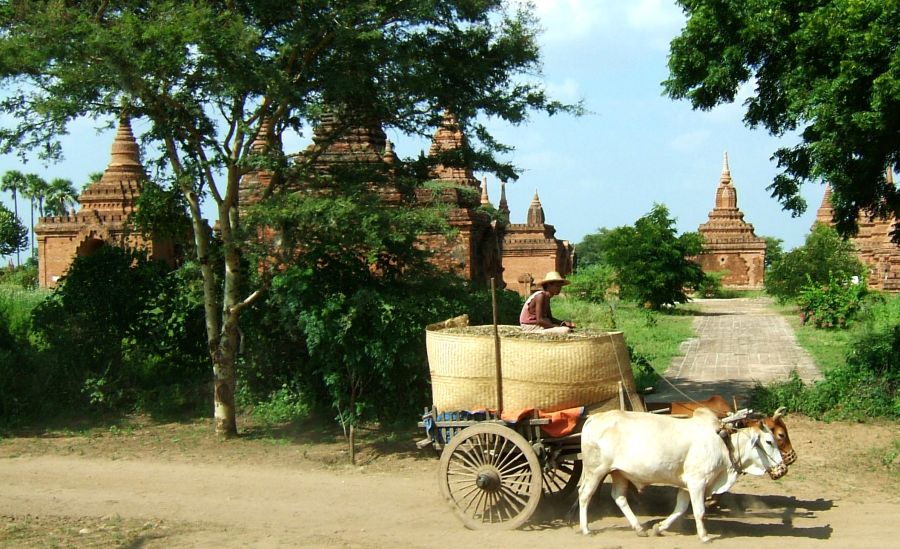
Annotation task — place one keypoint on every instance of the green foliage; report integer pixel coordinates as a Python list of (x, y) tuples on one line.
[(652, 261), (18, 366), (207, 86), (23, 276), (823, 256), (592, 283), (13, 234), (830, 306), (61, 194), (123, 332), (865, 384), (712, 284), (282, 405), (774, 250), (591, 250), (826, 70), (162, 212)]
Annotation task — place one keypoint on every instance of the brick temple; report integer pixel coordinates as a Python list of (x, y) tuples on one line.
[(730, 243), (102, 218), (530, 249), (473, 252), (873, 244)]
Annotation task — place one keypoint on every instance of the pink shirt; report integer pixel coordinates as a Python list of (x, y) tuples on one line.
[(529, 314)]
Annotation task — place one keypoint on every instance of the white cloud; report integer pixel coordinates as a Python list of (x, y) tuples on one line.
[(568, 20), (652, 14)]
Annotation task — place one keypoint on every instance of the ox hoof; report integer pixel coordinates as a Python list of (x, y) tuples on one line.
[(705, 539), (656, 530), (641, 533)]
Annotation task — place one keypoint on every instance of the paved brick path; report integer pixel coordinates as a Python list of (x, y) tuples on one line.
[(738, 343)]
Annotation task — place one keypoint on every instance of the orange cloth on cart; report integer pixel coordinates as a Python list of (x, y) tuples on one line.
[(562, 422)]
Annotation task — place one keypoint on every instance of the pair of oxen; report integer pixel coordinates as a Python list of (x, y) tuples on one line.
[(698, 454)]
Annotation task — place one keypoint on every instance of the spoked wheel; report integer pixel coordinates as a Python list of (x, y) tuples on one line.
[(491, 477), (561, 481)]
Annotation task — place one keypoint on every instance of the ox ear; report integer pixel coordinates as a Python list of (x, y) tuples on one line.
[(781, 412)]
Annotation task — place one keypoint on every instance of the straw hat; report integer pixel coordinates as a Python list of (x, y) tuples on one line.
[(553, 276)]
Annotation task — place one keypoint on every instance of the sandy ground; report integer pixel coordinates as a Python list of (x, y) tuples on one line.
[(147, 485)]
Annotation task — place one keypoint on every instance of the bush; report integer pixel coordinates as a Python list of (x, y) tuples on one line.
[(832, 305), (23, 276), (592, 284), (823, 255), (711, 286), (21, 375), (124, 332), (360, 352)]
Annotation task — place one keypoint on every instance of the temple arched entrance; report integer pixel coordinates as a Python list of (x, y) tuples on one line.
[(89, 247)]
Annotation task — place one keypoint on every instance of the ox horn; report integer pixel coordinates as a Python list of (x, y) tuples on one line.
[(779, 412)]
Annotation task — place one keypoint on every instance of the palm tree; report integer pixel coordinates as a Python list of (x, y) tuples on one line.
[(14, 181), (35, 189), (60, 195)]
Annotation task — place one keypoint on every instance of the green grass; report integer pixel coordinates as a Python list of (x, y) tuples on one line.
[(828, 347), (16, 304), (655, 336)]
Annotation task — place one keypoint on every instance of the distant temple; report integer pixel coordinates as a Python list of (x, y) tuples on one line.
[(729, 242), (530, 249), (472, 252), (103, 216), (873, 244)]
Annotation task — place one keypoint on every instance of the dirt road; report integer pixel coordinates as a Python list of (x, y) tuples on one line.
[(134, 490)]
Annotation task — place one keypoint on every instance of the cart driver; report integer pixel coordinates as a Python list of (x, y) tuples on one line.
[(536, 316)]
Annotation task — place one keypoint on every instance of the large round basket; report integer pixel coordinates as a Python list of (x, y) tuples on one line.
[(536, 372)]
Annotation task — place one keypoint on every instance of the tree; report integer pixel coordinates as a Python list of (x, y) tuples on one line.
[(652, 261), (13, 235), (774, 250), (823, 256), (35, 189), (13, 182), (826, 69), (229, 72), (60, 195), (591, 250)]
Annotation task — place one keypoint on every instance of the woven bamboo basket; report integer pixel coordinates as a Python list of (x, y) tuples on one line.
[(545, 373)]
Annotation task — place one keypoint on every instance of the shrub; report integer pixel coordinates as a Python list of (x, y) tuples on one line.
[(832, 305), (123, 332), (592, 283), (823, 255), (711, 286)]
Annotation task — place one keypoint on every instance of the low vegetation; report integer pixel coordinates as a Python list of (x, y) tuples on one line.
[(860, 364)]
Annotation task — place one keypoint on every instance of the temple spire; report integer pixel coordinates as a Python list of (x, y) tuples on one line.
[(504, 206), (485, 200), (535, 211), (261, 141), (125, 158), (725, 179)]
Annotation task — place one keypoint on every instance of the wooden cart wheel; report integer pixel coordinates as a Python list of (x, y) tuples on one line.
[(491, 477), (561, 482)]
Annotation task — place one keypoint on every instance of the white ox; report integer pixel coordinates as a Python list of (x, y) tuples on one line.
[(689, 454)]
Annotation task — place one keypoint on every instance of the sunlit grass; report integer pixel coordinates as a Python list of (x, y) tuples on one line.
[(656, 336)]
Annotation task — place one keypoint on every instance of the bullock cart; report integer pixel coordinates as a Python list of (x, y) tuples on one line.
[(508, 410)]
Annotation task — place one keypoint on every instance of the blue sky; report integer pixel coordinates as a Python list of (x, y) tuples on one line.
[(607, 168)]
